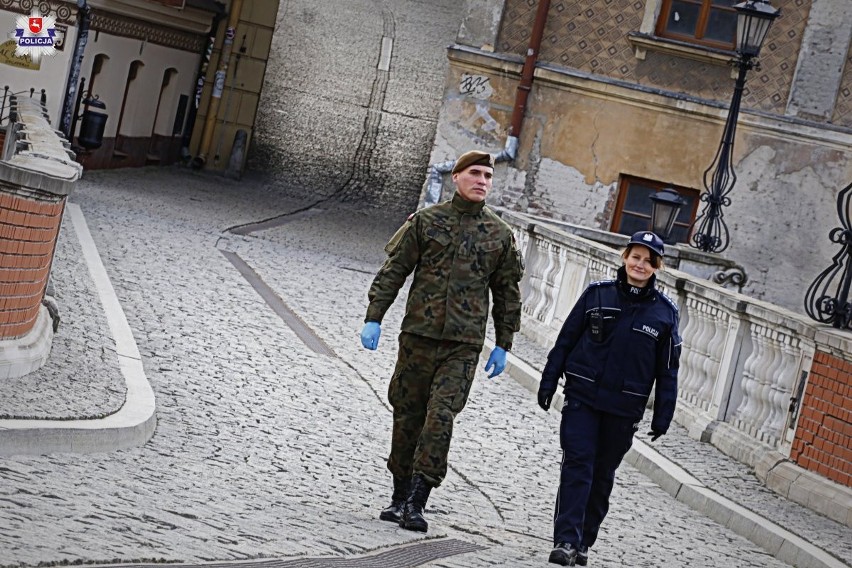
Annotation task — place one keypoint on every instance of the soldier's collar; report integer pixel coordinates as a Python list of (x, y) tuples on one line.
[(464, 206)]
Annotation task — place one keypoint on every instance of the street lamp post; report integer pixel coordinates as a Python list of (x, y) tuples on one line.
[(754, 17), (667, 203)]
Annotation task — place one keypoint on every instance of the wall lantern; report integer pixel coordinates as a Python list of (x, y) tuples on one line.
[(664, 212)]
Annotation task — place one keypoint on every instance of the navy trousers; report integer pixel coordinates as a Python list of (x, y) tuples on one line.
[(593, 445)]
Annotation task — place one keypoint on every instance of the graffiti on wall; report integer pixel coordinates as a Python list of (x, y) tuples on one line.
[(476, 86)]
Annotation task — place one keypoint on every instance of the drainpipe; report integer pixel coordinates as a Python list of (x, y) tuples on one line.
[(201, 74), (83, 18), (525, 86), (435, 182), (218, 85)]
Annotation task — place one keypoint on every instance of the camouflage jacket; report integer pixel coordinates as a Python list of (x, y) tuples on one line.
[(458, 251)]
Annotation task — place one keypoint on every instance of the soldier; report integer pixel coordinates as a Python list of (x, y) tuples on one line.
[(458, 250)]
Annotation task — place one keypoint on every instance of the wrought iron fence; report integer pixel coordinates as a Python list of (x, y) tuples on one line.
[(827, 298)]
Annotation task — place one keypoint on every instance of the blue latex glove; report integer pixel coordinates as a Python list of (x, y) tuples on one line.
[(370, 335), (497, 360)]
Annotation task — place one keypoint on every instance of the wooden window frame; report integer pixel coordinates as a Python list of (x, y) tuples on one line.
[(700, 26), (623, 187)]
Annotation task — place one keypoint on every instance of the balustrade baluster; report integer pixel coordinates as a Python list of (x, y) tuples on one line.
[(781, 387)]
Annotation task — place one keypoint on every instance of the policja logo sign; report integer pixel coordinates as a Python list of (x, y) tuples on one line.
[(35, 36)]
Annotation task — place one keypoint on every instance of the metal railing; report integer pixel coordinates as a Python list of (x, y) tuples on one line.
[(8, 94)]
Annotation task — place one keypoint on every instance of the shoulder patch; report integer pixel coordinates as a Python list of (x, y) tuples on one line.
[(602, 283), (669, 301)]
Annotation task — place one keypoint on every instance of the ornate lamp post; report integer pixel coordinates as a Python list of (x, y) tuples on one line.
[(827, 299), (664, 211), (754, 17)]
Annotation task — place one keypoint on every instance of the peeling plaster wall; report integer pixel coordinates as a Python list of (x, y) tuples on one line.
[(782, 210), (565, 194)]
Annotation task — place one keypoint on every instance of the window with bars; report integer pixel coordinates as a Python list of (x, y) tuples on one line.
[(633, 207), (712, 23)]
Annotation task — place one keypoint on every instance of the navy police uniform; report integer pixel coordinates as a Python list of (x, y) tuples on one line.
[(618, 342)]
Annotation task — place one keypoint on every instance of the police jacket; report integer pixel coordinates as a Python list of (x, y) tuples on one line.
[(458, 251), (615, 344)]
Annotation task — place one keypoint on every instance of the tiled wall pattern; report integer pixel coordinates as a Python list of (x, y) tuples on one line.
[(591, 36)]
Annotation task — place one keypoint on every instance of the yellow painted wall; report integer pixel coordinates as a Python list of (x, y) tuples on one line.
[(243, 83)]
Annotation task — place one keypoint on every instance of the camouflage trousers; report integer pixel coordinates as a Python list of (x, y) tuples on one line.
[(428, 389)]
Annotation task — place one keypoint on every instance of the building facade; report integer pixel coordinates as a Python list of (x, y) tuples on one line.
[(630, 96), (153, 69)]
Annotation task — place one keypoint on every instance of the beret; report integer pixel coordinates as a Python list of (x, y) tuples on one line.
[(473, 158)]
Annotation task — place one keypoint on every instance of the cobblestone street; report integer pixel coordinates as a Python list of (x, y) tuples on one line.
[(266, 449), (246, 298)]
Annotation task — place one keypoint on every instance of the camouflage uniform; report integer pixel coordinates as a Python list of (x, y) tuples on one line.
[(458, 251)]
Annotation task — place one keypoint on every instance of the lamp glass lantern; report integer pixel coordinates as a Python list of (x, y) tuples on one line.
[(754, 17), (667, 204)]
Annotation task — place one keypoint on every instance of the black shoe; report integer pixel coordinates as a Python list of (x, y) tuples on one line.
[(412, 511), (563, 554), (401, 489), (582, 555)]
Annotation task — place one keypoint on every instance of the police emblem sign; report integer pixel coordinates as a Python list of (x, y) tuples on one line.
[(35, 36)]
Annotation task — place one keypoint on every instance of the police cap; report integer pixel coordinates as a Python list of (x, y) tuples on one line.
[(649, 240)]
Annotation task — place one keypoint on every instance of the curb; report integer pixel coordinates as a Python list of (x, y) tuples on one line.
[(776, 540), (133, 424)]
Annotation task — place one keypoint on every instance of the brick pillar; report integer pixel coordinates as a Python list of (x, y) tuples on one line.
[(37, 171), (823, 441), (29, 226)]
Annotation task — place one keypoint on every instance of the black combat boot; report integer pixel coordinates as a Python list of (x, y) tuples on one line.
[(401, 489), (582, 555), (412, 511), (563, 554)]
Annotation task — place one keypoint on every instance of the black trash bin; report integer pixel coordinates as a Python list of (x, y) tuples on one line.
[(92, 127)]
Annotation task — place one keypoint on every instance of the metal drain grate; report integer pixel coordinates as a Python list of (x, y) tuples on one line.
[(293, 321), (406, 556)]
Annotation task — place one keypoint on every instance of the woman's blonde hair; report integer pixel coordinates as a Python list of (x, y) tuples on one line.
[(656, 260)]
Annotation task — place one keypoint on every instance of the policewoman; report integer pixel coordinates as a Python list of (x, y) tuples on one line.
[(620, 341)]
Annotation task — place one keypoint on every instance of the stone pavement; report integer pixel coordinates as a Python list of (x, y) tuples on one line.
[(266, 448)]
